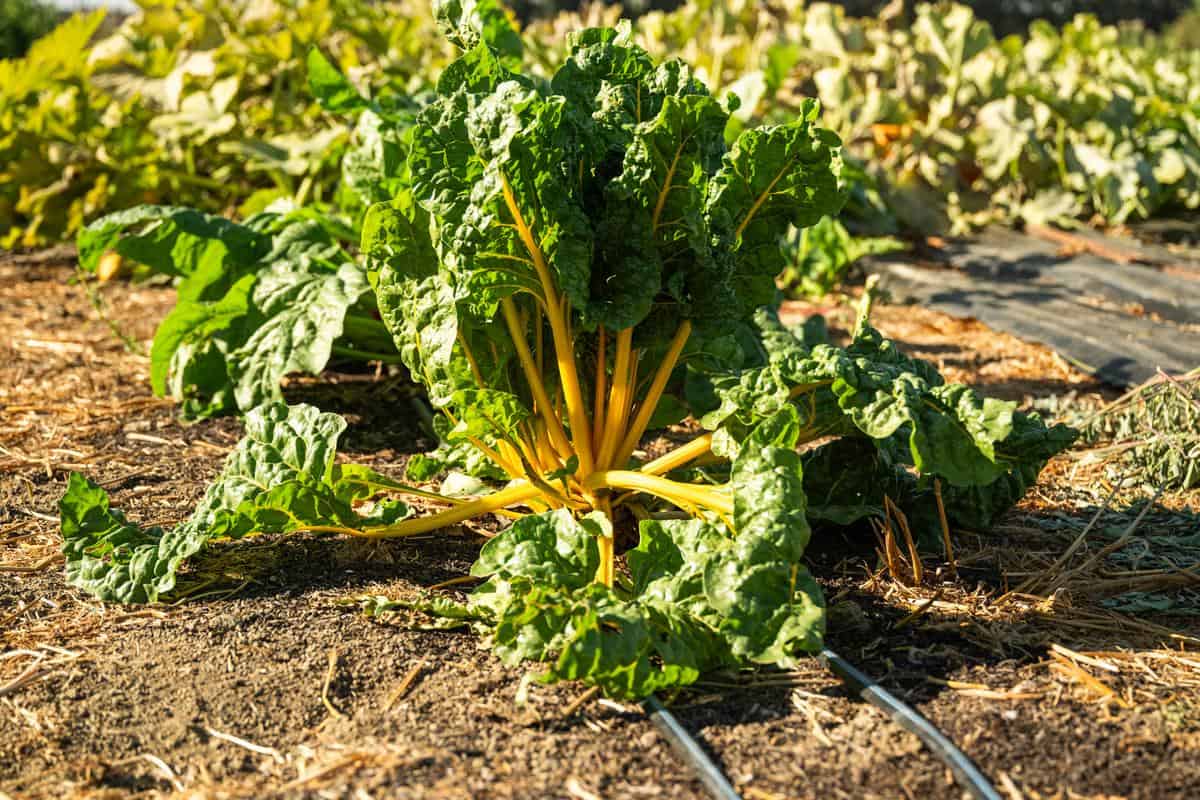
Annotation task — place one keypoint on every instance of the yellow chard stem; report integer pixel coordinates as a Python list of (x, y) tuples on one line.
[(537, 339), (564, 350), (414, 492), (700, 446), (510, 453), (475, 373), (328, 529), (545, 449), (614, 418), (606, 572), (564, 455), (534, 378), (512, 495), (600, 387), (630, 392), (654, 394), (528, 444), (804, 388), (500, 461), (673, 491), (568, 374), (496, 458)]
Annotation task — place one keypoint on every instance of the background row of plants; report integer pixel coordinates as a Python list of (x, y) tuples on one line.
[(204, 103)]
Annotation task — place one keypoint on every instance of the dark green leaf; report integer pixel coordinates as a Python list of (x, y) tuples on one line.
[(330, 87)]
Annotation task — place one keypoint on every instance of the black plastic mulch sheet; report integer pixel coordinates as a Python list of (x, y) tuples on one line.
[(1118, 321)]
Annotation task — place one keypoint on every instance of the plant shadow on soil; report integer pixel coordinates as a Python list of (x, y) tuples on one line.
[(386, 414)]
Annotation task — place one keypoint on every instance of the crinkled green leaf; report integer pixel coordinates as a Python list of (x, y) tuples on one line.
[(467, 23), (375, 167), (255, 301), (353, 482), (278, 478), (293, 504), (1023, 454), (632, 649), (845, 480), (298, 310), (772, 178), (106, 554), (420, 313), (771, 608), (629, 649), (487, 414), (479, 70), (553, 548), (867, 389), (396, 235), (668, 564), (415, 300), (208, 252), (191, 323), (466, 150), (451, 456), (654, 235)]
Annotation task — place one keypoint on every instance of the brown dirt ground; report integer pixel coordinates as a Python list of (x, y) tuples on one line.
[(220, 694)]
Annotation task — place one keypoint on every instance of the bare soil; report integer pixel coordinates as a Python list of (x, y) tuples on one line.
[(266, 680)]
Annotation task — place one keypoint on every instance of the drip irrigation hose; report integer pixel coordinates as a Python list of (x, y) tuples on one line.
[(968, 775), (689, 750)]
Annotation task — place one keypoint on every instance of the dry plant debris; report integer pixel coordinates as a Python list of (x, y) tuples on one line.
[(1153, 431)]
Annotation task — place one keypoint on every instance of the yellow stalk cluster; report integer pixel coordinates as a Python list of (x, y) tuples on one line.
[(601, 439)]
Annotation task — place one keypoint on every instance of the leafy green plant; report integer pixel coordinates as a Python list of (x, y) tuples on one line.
[(278, 293), (819, 257), (255, 301), (567, 264), (279, 477), (201, 103), (22, 22), (59, 157)]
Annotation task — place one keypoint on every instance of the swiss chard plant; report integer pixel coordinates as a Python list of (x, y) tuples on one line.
[(569, 263)]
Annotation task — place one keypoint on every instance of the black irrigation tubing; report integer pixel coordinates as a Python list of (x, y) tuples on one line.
[(688, 749), (968, 775)]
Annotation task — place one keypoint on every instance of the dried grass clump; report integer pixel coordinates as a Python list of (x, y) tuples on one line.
[(1154, 431)]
